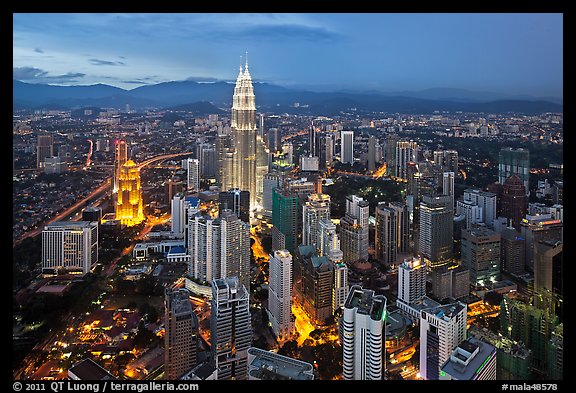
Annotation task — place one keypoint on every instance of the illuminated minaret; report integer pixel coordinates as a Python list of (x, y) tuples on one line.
[(120, 159), (244, 130), (129, 203)]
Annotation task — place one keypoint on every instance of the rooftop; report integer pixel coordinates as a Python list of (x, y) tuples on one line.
[(271, 366), (366, 302), (469, 359), (87, 369)]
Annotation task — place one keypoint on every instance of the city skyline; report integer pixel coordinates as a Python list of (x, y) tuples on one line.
[(510, 54)]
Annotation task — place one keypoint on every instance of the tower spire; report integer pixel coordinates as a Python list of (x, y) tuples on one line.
[(246, 60), (240, 63)]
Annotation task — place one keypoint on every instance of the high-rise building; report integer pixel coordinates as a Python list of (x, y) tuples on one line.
[(92, 213), (481, 255), (44, 149), (70, 245), (120, 158), (181, 334), (219, 248), (340, 290), (391, 141), (178, 214), (548, 271), (471, 360), (244, 128), (271, 181), (442, 328), (450, 161), (486, 200), (450, 282), (371, 153), (328, 241), (364, 337), (539, 228), (436, 229), (225, 156), (208, 163), (347, 147), (129, 209), (513, 251), (391, 232), (288, 150), (172, 187), (555, 358), (411, 280), (280, 293), (354, 229), (514, 162), (192, 168), (325, 150), (406, 151), (448, 185), (236, 200), (267, 365), (230, 327), (284, 220), (313, 283), (312, 141), (315, 209), (471, 211)]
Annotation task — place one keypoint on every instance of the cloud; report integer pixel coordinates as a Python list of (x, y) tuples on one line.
[(136, 82), (99, 62), (282, 32), (38, 50), (33, 74), (202, 79)]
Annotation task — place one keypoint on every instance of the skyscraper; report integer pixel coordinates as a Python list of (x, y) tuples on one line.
[(340, 289), (129, 208), (312, 141), (411, 280), (486, 200), (436, 229), (192, 168), (513, 251), (178, 214), (230, 327), (347, 147), (70, 245), (371, 153), (364, 338), (315, 209), (280, 293), (181, 334), (448, 185), (514, 162), (44, 149), (406, 151), (481, 255), (225, 156), (354, 229), (535, 229), (548, 271), (284, 220), (328, 241), (391, 141), (514, 200), (442, 328), (120, 158), (391, 232), (244, 127), (471, 360), (236, 200)]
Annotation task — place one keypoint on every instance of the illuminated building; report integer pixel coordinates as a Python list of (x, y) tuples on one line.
[(172, 187), (280, 293), (285, 220), (271, 181), (363, 335), (236, 200), (44, 149), (514, 200), (230, 327), (485, 200), (325, 150), (288, 150), (411, 280), (448, 185), (340, 289), (120, 158), (471, 360), (539, 228), (481, 255), (181, 338), (354, 229), (390, 150), (192, 168), (267, 365), (225, 156), (471, 212), (371, 153), (436, 230), (178, 214), (70, 245), (406, 151), (514, 162), (450, 282), (442, 328), (391, 231), (315, 209), (328, 241), (347, 147), (129, 200)]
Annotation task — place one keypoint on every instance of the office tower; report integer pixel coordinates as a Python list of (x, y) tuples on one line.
[(354, 229), (273, 139), (472, 212), (244, 127), (129, 208), (312, 141), (481, 254), (271, 181), (513, 251), (486, 200), (438, 157), (181, 334), (391, 141), (451, 161), (436, 229), (391, 232), (450, 282), (347, 147), (280, 293), (261, 126), (315, 209), (364, 336), (406, 151), (325, 150), (219, 248), (558, 192), (267, 365), (313, 283), (120, 158), (514, 162), (209, 164), (442, 328), (310, 164), (70, 245), (230, 327), (411, 280), (535, 229), (178, 214), (284, 220), (92, 213), (371, 153), (340, 289), (448, 185), (225, 156), (328, 241), (264, 159), (547, 272), (288, 150), (471, 360), (236, 200), (555, 369), (192, 168), (172, 187), (44, 148)]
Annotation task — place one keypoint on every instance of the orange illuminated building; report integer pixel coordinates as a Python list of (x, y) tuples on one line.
[(129, 201)]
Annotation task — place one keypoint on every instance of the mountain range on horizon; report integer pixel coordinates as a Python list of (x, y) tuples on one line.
[(274, 98)]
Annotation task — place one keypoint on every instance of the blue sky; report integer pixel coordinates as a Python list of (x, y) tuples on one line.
[(504, 53)]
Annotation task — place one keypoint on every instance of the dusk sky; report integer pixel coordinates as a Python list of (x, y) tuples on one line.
[(504, 53)]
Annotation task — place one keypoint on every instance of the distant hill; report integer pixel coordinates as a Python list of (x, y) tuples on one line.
[(203, 98)]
